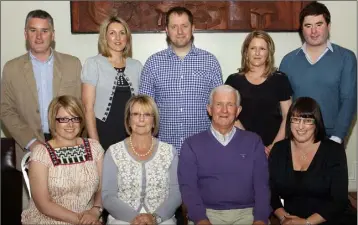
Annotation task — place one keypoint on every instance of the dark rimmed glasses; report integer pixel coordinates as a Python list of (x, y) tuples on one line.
[(306, 121), (67, 120)]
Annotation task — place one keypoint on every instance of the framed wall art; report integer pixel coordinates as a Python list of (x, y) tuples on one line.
[(209, 16)]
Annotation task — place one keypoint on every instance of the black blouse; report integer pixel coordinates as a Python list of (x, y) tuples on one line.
[(322, 188), (261, 111)]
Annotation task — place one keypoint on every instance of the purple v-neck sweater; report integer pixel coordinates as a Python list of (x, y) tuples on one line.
[(220, 177)]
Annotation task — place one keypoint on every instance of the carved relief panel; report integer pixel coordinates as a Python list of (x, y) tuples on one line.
[(219, 16)]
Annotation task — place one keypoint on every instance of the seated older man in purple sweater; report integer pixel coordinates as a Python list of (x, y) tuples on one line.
[(223, 172)]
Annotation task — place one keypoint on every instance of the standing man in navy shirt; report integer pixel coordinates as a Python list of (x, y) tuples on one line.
[(180, 79), (323, 71)]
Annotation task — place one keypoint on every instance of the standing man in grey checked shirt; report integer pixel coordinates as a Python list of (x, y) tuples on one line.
[(180, 79)]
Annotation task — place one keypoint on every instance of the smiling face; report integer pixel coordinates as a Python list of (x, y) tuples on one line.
[(303, 129), (141, 120), (257, 52), (39, 34), (315, 30), (223, 110), (66, 131), (179, 30), (116, 37)]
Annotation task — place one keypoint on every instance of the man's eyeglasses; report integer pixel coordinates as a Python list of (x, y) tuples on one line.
[(137, 115), (67, 120), (306, 121)]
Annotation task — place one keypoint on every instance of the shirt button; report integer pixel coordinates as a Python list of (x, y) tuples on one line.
[(181, 77), (181, 109)]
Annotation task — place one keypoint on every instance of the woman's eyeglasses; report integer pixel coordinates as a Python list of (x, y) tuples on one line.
[(306, 121), (67, 120), (137, 115)]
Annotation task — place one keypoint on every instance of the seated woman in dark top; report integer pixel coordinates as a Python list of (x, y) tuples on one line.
[(265, 91), (309, 171)]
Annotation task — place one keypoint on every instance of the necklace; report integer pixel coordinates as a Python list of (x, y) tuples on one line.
[(303, 155), (136, 153)]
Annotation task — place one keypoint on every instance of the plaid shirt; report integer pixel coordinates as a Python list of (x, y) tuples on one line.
[(181, 89)]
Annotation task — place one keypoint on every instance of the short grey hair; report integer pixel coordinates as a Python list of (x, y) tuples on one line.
[(225, 88), (41, 14)]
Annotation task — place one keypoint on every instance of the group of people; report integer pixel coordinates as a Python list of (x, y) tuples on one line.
[(139, 141)]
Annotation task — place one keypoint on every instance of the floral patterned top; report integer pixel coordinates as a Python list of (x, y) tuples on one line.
[(129, 185), (73, 178)]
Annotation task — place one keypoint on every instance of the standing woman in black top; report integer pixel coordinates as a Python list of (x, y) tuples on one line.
[(265, 92), (309, 172)]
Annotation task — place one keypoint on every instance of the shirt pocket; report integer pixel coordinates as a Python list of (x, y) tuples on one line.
[(200, 82)]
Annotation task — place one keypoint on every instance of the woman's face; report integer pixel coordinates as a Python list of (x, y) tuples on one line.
[(116, 37), (257, 52), (303, 129), (141, 120), (67, 126)]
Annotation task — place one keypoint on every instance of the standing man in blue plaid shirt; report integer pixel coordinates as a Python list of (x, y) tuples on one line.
[(180, 79)]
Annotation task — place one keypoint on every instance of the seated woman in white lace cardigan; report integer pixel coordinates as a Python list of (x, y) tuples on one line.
[(140, 184)]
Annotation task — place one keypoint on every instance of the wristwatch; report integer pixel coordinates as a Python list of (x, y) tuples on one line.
[(157, 218)]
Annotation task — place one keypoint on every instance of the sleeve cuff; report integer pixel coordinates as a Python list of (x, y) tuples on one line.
[(336, 139)]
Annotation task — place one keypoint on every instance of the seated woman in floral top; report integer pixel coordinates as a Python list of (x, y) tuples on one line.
[(140, 184), (65, 172)]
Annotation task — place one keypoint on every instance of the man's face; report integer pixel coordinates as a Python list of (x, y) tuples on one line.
[(179, 30), (39, 34), (315, 30), (223, 110)]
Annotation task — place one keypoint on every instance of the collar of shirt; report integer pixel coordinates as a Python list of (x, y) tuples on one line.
[(304, 46), (49, 59), (171, 52), (223, 139)]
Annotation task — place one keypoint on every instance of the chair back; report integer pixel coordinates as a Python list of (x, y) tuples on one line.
[(25, 169)]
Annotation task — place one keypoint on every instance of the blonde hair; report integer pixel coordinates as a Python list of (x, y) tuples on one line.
[(71, 104), (102, 39), (146, 102), (270, 61)]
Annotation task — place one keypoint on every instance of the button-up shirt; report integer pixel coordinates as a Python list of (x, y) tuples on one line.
[(43, 72), (181, 89), (329, 47), (224, 139)]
